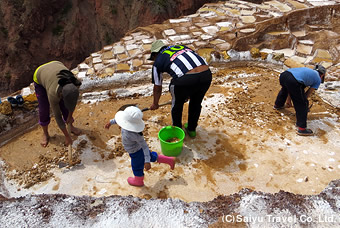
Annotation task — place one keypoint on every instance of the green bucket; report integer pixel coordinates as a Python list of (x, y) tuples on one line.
[(165, 135)]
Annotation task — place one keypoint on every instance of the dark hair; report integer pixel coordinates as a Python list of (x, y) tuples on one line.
[(67, 77), (321, 69)]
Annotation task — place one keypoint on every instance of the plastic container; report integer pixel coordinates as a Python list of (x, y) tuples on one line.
[(165, 135)]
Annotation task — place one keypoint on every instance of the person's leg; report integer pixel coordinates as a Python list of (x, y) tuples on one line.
[(153, 156), (44, 112), (283, 93), (137, 164), (196, 98), (195, 105), (46, 136), (300, 103), (179, 95), (166, 160), (299, 99)]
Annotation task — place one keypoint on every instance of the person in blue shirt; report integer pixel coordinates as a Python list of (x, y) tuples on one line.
[(191, 79), (293, 83)]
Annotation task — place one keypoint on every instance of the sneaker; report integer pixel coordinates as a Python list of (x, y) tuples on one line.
[(20, 100), (278, 108), (305, 132), (12, 101), (192, 134)]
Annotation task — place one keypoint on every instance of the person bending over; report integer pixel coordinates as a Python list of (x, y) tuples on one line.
[(191, 79), (56, 87)]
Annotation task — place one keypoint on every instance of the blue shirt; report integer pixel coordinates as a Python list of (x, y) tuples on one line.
[(306, 76), (176, 60)]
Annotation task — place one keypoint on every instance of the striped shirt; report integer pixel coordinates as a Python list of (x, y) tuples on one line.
[(176, 60)]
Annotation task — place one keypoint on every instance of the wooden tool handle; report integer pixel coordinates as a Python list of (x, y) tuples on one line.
[(70, 153), (166, 103), (69, 146)]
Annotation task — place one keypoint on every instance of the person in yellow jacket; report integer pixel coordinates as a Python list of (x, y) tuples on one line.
[(58, 89)]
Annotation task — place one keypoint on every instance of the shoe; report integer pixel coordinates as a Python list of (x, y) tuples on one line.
[(192, 134), (278, 108), (20, 100), (305, 132), (12, 101), (136, 181), (167, 160)]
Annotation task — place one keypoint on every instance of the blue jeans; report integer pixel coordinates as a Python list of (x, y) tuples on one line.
[(137, 162)]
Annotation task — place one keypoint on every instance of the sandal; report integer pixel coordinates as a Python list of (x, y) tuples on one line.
[(12, 101), (20, 100)]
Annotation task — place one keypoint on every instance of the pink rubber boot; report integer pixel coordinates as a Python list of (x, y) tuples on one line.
[(136, 181), (168, 160)]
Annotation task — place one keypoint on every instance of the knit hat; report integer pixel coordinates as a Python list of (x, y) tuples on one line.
[(156, 47), (130, 119), (70, 94), (321, 69)]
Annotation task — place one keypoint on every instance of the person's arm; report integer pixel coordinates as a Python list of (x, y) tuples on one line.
[(309, 92), (289, 102), (111, 122), (59, 119), (145, 148), (68, 139), (69, 118), (157, 92), (141, 141)]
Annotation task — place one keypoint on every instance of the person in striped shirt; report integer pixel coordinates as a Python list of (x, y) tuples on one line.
[(191, 79)]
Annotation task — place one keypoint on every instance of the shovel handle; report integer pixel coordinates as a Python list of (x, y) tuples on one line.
[(166, 103), (69, 146), (70, 153)]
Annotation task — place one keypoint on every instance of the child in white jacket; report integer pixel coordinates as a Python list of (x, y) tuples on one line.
[(131, 123)]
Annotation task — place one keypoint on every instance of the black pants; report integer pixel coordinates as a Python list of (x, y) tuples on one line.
[(193, 87), (296, 90)]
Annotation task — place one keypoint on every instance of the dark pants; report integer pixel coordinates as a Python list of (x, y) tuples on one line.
[(137, 162), (193, 87), (296, 90), (44, 106)]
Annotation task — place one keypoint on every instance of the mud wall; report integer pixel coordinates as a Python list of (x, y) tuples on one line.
[(34, 32)]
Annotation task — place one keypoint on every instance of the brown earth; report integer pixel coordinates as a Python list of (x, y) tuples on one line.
[(231, 136)]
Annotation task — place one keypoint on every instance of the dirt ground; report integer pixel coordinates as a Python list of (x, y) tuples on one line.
[(241, 143)]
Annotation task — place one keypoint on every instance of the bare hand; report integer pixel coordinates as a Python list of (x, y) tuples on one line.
[(108, 125), (147, 166), (289, 104), (68, 141), (154, 106)]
